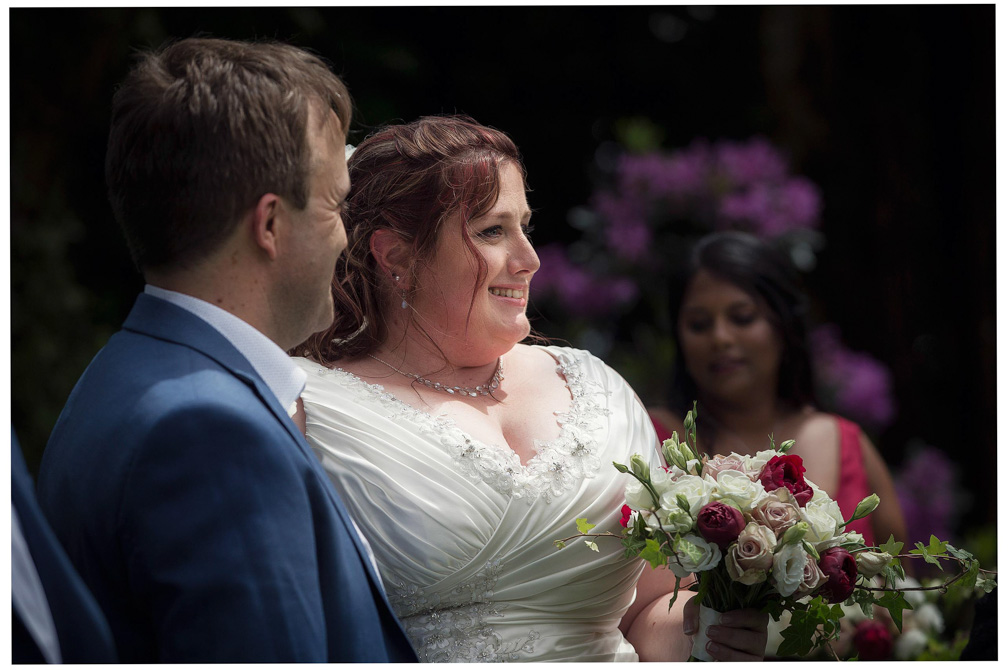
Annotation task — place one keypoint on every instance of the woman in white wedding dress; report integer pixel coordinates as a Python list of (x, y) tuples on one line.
[(462, 454)]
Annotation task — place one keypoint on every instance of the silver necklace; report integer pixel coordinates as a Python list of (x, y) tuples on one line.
[(483, 389)]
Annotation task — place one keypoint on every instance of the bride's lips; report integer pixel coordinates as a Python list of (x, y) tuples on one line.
[(516, 293)]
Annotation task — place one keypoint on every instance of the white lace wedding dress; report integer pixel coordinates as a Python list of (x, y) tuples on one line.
[(464, 533)]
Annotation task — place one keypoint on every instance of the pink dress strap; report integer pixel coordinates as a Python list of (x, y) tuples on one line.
[(852, 487)]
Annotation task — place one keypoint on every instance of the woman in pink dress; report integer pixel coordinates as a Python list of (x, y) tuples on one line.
[(745, 359)]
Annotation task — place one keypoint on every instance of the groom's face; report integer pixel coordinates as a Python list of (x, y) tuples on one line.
[(319, 237)]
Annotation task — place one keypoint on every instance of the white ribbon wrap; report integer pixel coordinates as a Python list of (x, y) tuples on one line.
[(708, 617)]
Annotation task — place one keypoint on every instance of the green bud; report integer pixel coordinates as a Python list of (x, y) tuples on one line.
[(785, 446), (865, 507), (668, 448), (640, 468), (682, 502), (687, 453), (795, 533), (620, 467)]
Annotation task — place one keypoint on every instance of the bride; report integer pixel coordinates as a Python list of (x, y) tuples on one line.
[(463, 454)]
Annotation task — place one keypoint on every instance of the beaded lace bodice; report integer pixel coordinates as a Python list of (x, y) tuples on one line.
[(463, 532)]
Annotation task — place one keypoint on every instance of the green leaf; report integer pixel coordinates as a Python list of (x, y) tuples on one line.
[(652, 554), (560, 544), (583, 526), (987, 584), (799, 637), (895, 602), (866, 600), (892, 547), (591, 545)]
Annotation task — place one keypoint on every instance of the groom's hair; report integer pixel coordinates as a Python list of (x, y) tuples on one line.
[(201, 129)]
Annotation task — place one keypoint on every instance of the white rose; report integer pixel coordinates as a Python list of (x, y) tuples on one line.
[(661, 480), (789, 568), (707, 556), (735, 487), (756, 462), (843, 538), (637, 496), (910, 644), (698, 491), (823, 519)]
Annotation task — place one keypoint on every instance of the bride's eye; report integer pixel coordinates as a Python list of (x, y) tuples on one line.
[(527, 231), (490, 233)]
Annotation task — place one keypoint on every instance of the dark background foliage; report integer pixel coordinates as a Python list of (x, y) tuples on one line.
[(889, 109)]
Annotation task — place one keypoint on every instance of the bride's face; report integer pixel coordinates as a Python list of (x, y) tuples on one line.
[(485, 323)]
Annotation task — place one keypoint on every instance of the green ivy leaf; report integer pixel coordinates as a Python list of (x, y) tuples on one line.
[(652, 554), (895, 602), (591, 545), (560, 544), (987, 584), (892, 547), (866, 600), (583, 526)]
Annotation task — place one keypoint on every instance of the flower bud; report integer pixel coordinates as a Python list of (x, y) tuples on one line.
[(841, 573), (871, 563), (794, 534), (865, 507), (640, 468)]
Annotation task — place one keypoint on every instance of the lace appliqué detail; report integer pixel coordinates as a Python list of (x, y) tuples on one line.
[(558, 465), (453, 627)]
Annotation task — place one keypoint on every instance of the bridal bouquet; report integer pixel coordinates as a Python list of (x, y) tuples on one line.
[(759, 535)]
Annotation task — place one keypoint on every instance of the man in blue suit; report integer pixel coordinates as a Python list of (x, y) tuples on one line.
[(54, 619), (175, 478)]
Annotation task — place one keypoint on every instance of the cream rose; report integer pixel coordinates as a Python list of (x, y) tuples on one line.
[(778, 511), (750, 557), (712, 466), (698, 491), (824, 519), (637, 496)]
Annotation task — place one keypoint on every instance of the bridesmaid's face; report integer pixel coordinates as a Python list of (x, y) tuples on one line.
[(445, 289), (729, 345)]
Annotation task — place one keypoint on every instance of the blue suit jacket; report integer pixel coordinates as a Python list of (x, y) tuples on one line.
[(195, 511), (81, 630)]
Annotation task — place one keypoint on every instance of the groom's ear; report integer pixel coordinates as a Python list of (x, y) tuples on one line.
[(263, 224), (392, 253)]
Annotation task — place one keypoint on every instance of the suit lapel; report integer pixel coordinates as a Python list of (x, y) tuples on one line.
[(162, 320)]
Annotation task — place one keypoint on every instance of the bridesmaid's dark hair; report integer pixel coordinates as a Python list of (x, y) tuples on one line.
[(764, 272)]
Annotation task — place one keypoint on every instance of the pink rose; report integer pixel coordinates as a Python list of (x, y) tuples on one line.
[(720, 523), (786, 471), (626, 512), (841, 573), (778, 512), (873, 641), (712, 466)]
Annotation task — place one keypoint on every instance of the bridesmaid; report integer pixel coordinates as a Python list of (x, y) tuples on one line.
[(745, 358)]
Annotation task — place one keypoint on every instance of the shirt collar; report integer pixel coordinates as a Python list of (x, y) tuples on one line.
[(283, 377)]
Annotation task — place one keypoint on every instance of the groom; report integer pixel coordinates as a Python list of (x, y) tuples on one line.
[(184, 494)]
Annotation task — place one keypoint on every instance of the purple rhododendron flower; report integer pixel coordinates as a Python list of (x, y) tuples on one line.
[(754, 161), (861, 385), (580, 292), (627, 232), (928, 490)]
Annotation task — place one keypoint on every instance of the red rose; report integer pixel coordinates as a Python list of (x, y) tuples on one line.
[(720, 523), (873, 641), (626, 515), (786, 471), (840, 569)]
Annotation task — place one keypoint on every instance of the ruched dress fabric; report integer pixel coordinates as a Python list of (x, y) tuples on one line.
[(464, 534)]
